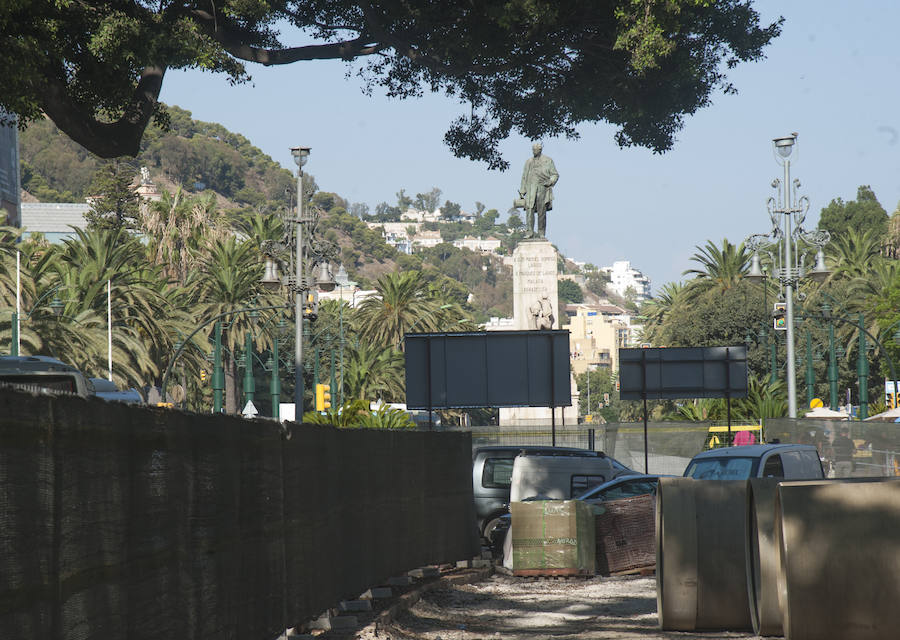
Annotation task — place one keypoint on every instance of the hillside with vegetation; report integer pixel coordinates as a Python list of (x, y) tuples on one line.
[(176, 264), (202, 158)]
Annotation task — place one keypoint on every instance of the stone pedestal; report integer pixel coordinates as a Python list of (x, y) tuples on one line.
[(534, 276)]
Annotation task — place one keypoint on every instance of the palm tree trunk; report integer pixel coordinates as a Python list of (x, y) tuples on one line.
[(230, 386)]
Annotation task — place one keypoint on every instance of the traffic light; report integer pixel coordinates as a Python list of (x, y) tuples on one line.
[(311, 305), (204, 375), (779, 320), (323, 397)]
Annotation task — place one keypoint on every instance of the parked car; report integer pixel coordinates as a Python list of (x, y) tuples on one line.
[(626, 486), (42, 374), (492, 468), (789, 461)]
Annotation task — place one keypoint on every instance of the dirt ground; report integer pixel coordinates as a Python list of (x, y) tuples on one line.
[(503, 607)]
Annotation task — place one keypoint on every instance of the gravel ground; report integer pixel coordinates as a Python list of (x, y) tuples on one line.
[(508, 608)]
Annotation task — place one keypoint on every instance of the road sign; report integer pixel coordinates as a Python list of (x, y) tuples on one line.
[(249, 409), (816, 403)]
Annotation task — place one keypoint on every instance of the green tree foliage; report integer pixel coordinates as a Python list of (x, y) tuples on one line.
[(568, 292), (721, 268), (861, 214), (96, 69), (655, 311), (373, 372), (853, 253), (596, 283), (54, 168), (486, 223), (594, 385), (404, 301), (114, 202), (450, 210), (428, 201), (716, 318)]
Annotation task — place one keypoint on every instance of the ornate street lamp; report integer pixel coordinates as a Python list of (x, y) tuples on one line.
[(788, 245), (312, 259)]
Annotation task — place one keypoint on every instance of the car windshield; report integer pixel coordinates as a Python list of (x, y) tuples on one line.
[(721, 468)]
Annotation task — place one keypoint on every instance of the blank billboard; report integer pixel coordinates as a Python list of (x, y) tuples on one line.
[(487, 369), (683, 372)]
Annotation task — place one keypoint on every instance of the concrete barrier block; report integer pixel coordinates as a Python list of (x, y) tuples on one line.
[(480, 563), (464, 564), (399, 581), (378, 593), (424, 572), (343, 623), (355, 605)]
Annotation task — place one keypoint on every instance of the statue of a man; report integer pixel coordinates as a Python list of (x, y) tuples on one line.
[(541, 311), (536, 190)]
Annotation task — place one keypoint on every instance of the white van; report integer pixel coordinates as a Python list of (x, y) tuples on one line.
[(788, 461), (561, 477)]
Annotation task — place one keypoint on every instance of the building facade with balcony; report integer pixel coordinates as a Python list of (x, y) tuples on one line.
[(622, 277), (594, 339)]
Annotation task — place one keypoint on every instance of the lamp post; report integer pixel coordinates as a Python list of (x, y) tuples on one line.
[(310, 254), (300, 155), (343, 280), (788, 245)]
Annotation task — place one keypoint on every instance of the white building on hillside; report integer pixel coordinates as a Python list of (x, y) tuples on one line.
[(426, 239), (478, 245), (623, 277)]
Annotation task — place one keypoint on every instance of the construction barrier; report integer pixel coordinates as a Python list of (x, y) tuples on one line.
[(701, 569), (762, 557), (839, 569), (135, 523)]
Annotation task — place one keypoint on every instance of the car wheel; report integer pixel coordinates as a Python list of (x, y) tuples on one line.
[(489, 528)]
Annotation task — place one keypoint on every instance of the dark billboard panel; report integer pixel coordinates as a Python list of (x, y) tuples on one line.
[(487, 369), (683, 372)]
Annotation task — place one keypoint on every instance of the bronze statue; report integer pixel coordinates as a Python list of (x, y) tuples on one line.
[(536, 191)]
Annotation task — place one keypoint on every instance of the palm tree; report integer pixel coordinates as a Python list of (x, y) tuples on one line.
[(403, 301), (657, 309), (854, 253), (228, 281), (177, 226), (764, 399), (372, 372), (140, 310), (720, 268)]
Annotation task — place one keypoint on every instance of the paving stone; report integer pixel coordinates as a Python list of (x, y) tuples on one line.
[(424, 572), (480, 563), (463, 564), (399, 581), (355, 605)]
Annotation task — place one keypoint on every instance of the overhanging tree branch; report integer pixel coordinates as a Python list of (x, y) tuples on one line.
[(106, 139)]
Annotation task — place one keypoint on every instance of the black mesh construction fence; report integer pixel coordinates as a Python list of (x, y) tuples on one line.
[(121, 522)]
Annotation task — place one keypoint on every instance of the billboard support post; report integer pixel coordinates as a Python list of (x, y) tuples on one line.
[(644, 395)]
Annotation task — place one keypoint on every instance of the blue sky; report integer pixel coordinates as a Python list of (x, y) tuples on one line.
[(832, 76)]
